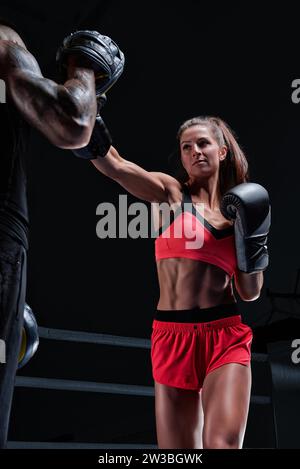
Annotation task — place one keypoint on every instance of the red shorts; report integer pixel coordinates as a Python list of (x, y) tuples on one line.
[(183, 354)]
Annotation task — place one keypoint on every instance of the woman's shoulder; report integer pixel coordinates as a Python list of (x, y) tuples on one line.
[(173, 187)]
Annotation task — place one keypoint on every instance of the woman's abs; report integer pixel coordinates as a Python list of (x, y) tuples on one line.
[(186, 283)]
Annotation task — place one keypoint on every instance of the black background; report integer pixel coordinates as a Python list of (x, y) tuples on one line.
[(234, 60)]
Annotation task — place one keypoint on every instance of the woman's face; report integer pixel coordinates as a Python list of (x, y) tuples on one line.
[(200, 152)]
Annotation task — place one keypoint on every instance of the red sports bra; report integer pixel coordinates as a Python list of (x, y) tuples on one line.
[(209, 244)]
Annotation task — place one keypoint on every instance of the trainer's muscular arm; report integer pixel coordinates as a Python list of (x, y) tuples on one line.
[(149, 186), (65, 114)]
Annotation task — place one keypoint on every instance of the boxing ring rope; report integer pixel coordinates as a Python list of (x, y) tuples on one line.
[(92, 338), (84, 386), (95, 387), (106, 339), (55, 445)]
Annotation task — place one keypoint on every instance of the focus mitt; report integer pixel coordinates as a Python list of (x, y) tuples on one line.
[(96, 51)]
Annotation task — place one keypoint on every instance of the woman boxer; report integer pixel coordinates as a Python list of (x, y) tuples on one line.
[(200, 348)]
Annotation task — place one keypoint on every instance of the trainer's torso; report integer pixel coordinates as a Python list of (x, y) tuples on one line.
[(13, 201)]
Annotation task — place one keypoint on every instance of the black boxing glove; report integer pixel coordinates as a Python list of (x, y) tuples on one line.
[(248, 205)]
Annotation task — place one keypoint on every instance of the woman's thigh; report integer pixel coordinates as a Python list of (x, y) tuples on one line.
[(179, 417), (225, 399)]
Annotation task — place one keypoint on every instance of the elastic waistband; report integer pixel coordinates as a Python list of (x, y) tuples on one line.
[(191, 327), (197, 314)]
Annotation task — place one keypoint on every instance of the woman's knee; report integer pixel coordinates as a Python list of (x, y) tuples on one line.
[(225, 440)]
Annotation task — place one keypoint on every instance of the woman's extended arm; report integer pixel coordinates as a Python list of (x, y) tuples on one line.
[(146, 185)]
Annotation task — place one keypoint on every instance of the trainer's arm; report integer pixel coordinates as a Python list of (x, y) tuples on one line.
[(65, 114), (149, 186)]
